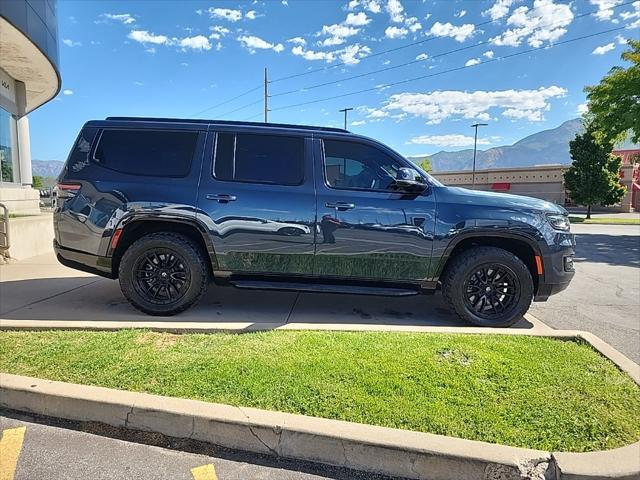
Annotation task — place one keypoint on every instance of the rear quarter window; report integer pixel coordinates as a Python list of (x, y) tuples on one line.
[(158, 153)]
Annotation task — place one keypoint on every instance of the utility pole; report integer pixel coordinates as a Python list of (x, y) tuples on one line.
[(266, 96), (345, 110), (475, 147)]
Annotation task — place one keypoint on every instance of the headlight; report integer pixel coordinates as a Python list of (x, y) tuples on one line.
[(559, 221)]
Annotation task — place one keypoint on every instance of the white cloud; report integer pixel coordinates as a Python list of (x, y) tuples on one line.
[(413, 24), (499, 9), (67, 91), (601, 50), (143, 36), (395, 32), (621, 40), (199, 42), (251, 43), (297, 41), (125, 18), (285, 3), (488, 54), (357, 19), (422, 56), (437, 106), (71, 43), (251, 15), (605, 8), (372, 6), (582, 108), (218, 32), (471, 62), (459, 33), (336, 34), (461, 13), (358, 122), (395, 10), (373, 113), (631, 15), (449, 140), (225, 13), (349, 55), (545, 22)]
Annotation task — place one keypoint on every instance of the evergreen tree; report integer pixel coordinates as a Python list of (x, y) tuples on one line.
[(594, 175)]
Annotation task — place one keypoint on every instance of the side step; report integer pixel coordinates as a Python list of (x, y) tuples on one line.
[(323, 288)]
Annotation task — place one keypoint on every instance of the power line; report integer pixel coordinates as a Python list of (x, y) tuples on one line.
[(226, 101), (242, 107), (387, 85), (408, 45), (413, 62)]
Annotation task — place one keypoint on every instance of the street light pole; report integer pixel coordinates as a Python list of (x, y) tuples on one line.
[(345, 110), (475, 148)]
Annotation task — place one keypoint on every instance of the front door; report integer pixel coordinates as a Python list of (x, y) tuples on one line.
[(366, 229), (256, 198)]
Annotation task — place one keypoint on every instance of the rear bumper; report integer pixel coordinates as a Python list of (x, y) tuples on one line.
[(85, 262), (558, 272)]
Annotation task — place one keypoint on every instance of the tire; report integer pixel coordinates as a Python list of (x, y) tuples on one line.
[(495, 274), (163, 273)]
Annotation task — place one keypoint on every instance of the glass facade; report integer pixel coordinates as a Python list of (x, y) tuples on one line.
[(9, 160)]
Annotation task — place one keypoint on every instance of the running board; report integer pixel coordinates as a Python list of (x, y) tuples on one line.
[(324, 288)]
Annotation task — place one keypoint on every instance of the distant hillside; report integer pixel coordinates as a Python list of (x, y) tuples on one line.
[(546, 147), (46, 168)]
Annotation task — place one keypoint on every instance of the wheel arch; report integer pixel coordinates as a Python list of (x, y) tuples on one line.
[(136, 228), (522, 246)]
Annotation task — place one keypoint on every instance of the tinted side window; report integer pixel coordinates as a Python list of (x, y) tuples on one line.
[(357, 166), (258, 158), (147, 152)]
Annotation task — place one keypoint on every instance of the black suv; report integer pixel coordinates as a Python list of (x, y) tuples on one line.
[(166, 205)]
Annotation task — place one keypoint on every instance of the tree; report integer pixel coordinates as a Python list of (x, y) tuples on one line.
[(38, 182), (613, 106), (594, 175), (425, 164)]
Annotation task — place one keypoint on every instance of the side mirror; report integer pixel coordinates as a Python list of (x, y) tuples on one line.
[(409, 180)]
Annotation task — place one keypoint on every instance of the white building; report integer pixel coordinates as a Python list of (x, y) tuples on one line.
[(29, 78)]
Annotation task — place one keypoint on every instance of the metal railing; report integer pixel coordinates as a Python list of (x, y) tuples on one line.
[(4, 228)]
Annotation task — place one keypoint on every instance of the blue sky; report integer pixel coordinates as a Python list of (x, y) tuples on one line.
[(178, 58)]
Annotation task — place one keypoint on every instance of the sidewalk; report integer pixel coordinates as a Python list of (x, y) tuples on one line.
[(41, 293)]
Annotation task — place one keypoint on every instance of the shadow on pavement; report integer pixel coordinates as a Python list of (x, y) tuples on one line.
[(622, 250), (95, 299)]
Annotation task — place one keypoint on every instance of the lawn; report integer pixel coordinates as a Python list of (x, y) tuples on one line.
[(523, 391), (605, 220)]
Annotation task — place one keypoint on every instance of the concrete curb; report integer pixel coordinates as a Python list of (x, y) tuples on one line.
[(370, 448)]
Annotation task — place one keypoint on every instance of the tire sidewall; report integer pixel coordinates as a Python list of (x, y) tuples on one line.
[(185, 250), (469, 263)]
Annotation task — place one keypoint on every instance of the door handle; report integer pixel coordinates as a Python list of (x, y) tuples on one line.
[(342, 206), (221, 197)]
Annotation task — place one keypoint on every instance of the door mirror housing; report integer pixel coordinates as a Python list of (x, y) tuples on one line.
[(409, 180)]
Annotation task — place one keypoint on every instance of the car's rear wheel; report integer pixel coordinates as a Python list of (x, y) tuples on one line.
[(163, 273), (488, 286)]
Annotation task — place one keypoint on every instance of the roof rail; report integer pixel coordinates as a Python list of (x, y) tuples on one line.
[(227, 122)]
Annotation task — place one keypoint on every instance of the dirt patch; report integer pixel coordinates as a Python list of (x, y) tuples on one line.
[(157, 339)]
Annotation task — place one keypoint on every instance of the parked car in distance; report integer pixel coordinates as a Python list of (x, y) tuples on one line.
[(168, 205)]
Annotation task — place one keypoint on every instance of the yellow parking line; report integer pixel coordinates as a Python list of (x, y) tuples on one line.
[(205, 472), (10, 447)]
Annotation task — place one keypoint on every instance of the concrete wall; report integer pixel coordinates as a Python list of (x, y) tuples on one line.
[(19, 200), (30, 236)]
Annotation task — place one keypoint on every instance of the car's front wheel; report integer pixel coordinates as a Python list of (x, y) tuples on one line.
[(163, 273), (488, 286)]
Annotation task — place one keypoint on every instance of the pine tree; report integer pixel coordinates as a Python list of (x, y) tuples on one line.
[(594, 175)]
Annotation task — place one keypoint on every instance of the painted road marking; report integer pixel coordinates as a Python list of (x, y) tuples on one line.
[(10, 447), (205, 472)]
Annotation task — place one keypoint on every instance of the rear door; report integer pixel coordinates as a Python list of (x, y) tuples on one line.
[(368, 230), (257, 200)]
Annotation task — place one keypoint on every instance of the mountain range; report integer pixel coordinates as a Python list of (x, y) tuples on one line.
[(542, 148)]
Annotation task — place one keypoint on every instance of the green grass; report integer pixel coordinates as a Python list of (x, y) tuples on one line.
[(522, 391), (605, 220)]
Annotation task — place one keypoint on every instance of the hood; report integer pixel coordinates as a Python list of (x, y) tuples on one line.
[(493, 199)]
